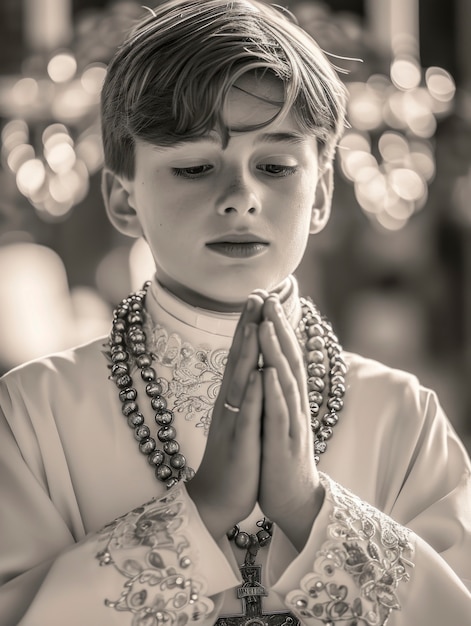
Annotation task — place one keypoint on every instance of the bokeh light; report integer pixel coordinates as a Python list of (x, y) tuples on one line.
[(62, 67)]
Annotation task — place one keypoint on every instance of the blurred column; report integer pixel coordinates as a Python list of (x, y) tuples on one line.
[(463, 32), (463, 45), (394, 26), (47, 24)]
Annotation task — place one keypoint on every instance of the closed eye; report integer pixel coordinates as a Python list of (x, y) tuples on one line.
[(195, 171), (278, 171)]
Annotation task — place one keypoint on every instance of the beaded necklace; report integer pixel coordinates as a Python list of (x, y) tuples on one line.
[(128, 346)]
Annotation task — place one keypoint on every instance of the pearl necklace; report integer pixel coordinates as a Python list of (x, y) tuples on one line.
[(128, 344)]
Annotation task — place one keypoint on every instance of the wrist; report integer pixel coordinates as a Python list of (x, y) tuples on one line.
[(298, 524)]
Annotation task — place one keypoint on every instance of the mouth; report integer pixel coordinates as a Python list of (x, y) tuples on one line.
[(238, 246)]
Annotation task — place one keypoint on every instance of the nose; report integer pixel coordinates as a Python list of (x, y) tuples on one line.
[(238, 196)]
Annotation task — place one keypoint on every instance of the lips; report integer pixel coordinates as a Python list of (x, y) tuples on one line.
[(238, 246)]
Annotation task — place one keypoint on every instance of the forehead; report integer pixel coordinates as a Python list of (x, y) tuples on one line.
[(253, 100)]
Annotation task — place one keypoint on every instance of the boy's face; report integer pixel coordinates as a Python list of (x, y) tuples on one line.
[(222, 221)]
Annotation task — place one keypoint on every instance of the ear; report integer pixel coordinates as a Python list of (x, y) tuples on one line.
[(322, 203), (118, 200)]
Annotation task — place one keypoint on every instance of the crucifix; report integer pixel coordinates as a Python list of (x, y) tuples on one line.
[(251, 593)]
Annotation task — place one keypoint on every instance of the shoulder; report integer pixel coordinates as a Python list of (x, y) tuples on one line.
[(365, 370), (390, 390), (74, 366)]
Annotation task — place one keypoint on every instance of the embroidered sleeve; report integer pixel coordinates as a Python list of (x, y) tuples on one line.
[(359, 567), (150, 550)]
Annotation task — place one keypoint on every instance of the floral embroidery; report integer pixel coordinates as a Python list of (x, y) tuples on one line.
[(159, 585), (196, 375), (367, 555)]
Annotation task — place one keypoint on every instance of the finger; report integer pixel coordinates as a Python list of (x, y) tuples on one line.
[(287, 382), (276, 422), (247, 425), (251, 314), (289, 345), (246, 363)]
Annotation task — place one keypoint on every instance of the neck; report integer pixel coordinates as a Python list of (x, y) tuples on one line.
[(200, 301)]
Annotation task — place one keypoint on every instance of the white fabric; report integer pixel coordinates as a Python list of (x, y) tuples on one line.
[(69, 465)]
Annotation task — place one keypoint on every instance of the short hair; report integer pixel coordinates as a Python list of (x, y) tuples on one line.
[(168, 81)]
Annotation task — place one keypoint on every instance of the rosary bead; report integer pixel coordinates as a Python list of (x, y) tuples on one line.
[(138, 348), (185, 562), (136, 304), (178, 461), (171, 482), (163, 472), (122, 311), (315, 384), (171, 447), (156, 458), (144, 360), (233, 532), (314, 330), (137, 336), (128, 393), (325, 432), (153, 389), (119, 325), (330, 419), (117, 338), (315, 424), (315, 396), (332, 351), (148, 374), (166, 433), (315, 343), (186, 474), (242, 540), (119, 356), (266, 525), (339, 367), (338, 388), (316, 369), (118, 369), (314, 408), (315, 356), (135, 419), (335, 404), (158, 403), (334, 359), (135, 318), (142, 432), (129, 407), (320, 447), (263, 537), (123, 381), (146, 446), (164, 418)]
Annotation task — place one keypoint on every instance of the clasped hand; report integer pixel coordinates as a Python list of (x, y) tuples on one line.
[(264, 451)]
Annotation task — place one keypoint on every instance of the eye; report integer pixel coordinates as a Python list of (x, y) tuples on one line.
[(279, 171), (195, 171)]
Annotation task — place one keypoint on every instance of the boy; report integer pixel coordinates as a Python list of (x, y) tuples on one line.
[(219, 124)]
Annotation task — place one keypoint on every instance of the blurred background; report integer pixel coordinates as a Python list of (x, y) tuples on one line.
[(393, 268)]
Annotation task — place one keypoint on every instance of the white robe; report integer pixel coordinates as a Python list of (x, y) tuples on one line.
[(391, 544)]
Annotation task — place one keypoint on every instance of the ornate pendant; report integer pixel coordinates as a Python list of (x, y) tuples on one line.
[(251, 593)]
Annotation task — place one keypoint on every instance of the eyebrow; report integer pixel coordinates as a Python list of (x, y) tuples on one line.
[(286, 137), (279, 137)]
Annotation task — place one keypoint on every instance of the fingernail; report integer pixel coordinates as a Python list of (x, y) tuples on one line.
[(250, 304)]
